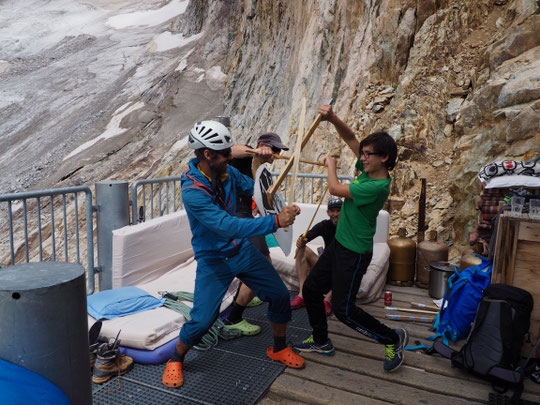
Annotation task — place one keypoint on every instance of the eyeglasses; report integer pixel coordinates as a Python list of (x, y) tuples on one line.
[(368, 154), (225, 152)]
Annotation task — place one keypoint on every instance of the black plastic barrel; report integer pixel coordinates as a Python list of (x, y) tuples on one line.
[(44, 325)]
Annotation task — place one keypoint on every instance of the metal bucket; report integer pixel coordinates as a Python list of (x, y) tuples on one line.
[(439, 272)]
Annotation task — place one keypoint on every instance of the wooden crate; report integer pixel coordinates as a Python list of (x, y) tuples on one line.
[(517, 263)]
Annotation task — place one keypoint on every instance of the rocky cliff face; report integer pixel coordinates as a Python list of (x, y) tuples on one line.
[(455, 82)]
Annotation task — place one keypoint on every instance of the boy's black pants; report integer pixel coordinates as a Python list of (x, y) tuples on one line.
[(341, 270)]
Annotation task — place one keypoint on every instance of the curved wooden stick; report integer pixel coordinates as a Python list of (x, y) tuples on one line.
[(276, 156), (312, 218), (317, 210), (272, 190)]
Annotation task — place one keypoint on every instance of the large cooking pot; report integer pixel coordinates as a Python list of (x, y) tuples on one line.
[(439, 272)]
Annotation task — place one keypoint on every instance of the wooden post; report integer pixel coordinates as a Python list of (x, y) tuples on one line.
[(421, 213), (297, 150)]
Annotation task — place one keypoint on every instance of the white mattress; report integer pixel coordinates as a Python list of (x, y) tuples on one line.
[(155, 256), (150, 329), (146, 251)]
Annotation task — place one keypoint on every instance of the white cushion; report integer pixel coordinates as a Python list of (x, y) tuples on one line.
[(375, 277), (372, 282), (301, 224), (514, 180), (145, 330), (155, 256), (146, 251)]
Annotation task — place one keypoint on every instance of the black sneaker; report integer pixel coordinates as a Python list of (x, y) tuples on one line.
[(309, 345), (393, 354)]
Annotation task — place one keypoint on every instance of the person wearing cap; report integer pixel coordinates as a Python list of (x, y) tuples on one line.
[(247, 163), (306, 258), (219, 240)]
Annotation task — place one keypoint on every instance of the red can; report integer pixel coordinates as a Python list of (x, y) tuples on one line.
[(387, 298)]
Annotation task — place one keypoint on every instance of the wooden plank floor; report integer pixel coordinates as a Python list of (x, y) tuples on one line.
[(354, 375)]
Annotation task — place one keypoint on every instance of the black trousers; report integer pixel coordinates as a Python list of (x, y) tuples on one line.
[(341, 270)]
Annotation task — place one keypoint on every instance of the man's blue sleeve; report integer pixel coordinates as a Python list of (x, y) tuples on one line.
[(244, 184), (199, 204)]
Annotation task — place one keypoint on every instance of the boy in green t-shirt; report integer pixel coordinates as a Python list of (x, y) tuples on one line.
[(344, 263)]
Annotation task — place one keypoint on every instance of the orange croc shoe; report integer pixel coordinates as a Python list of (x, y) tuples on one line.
[(173, 376), (287, 357)]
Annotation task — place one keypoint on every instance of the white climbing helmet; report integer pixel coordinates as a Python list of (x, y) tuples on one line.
[(210, 134)]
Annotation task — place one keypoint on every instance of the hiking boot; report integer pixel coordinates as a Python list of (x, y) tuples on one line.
[(92, 352), (93, 335), (393, 354), (297, 302), (110, 362), (309, 345)]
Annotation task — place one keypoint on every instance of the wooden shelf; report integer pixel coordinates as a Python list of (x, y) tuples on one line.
[(517, 262)]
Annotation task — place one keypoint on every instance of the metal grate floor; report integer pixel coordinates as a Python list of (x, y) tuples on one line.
[(235, 372)]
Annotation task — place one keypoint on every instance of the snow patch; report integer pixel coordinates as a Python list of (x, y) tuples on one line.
[(215, 73), (149, 17), (4, 65), (44, 24), (166, 40), (113, 127)]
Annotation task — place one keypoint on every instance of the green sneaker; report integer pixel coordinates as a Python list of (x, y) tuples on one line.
[(309, 345), (255, 302), (245, 328), (393, 354)]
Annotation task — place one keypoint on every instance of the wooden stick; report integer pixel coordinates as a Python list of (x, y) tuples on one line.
[(318, 206), (418, 305), (418, 311), (298, 148), (312, 218), (272, 190), (425, 319), (276, 156)]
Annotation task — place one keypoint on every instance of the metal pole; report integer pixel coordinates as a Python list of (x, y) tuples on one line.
[(112, 213)]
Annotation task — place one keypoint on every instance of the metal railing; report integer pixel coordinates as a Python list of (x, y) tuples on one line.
[(34, 200), (40, 228), (167, 192), (163, 185), (305, 176)]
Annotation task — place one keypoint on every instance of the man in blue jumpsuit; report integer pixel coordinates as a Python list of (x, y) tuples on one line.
[(221, 247)]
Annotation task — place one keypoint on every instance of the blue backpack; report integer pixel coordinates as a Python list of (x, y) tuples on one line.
[(463, 296)]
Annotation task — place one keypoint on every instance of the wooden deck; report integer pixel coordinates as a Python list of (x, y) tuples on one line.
[(354, 375)]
